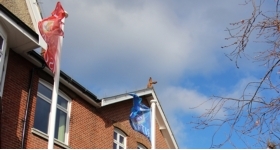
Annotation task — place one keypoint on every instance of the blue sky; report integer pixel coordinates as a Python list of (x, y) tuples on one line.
[(113, 47)]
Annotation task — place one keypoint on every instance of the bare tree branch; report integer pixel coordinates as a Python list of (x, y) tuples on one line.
[(255, 113)]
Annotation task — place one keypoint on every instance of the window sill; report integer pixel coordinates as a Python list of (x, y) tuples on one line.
[(45, 136)]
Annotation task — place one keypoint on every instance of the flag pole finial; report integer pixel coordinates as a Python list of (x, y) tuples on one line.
[(66, 14)]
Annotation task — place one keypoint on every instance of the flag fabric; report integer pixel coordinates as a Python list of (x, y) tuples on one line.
[(50, 30), (140, 117)]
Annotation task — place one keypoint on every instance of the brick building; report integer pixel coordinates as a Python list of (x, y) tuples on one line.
[(82, 120)]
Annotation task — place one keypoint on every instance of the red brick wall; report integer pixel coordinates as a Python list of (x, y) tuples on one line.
[(14, 100), (93, 128), (90, 127), (87, 127)]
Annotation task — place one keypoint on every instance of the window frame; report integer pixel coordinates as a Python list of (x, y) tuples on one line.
[(141, 146), (116, 141), (64, 96), (3, 64)]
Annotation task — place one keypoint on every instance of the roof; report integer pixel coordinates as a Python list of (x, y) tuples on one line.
[(160, 116)]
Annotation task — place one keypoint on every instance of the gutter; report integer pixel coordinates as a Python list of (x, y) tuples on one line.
[(79, 86)]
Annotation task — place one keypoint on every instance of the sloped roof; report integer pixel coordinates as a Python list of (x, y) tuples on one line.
[(160, 116)]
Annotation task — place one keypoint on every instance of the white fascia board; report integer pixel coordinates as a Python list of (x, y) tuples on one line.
[(35, 15), (123, 97), (165, 128), (34, 12), (164, 125), (6, 18)]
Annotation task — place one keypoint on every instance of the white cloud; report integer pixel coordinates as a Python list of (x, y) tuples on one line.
[(178, 128), (188, 101), (239, 88), (110, 41), (180, 100)]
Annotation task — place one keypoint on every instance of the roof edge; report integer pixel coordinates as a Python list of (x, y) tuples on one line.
[(68, 79)]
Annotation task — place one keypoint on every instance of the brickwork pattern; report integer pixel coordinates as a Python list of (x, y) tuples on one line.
[(14, 100)]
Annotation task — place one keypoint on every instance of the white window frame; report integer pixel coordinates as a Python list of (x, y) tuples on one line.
[(141, 146), (4, 59), (63, 95), (116, 141)]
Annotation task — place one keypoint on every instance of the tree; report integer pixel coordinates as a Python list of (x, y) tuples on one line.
[(255, 114)]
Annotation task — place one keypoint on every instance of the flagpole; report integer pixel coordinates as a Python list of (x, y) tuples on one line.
[(153, 123), (55, 89)]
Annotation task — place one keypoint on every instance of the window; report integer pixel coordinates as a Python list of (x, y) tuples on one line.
[(141, 146), (119, 139), (42, 112), (1, 45), (3, 58)]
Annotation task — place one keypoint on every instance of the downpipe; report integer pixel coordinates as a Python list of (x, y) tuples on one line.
[(27, 104)]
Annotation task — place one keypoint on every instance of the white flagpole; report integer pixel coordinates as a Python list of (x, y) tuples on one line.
[(55, 90), (153, 123)]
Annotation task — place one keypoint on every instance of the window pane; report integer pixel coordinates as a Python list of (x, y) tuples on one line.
[(45, 91), (62, 102), (115, 135), (42, 115), (120, 147), (1, 42), (114, 146), (60, 125), (121, 139), (140, 146)]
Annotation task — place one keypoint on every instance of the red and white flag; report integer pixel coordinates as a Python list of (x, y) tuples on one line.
[(50, 29)]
